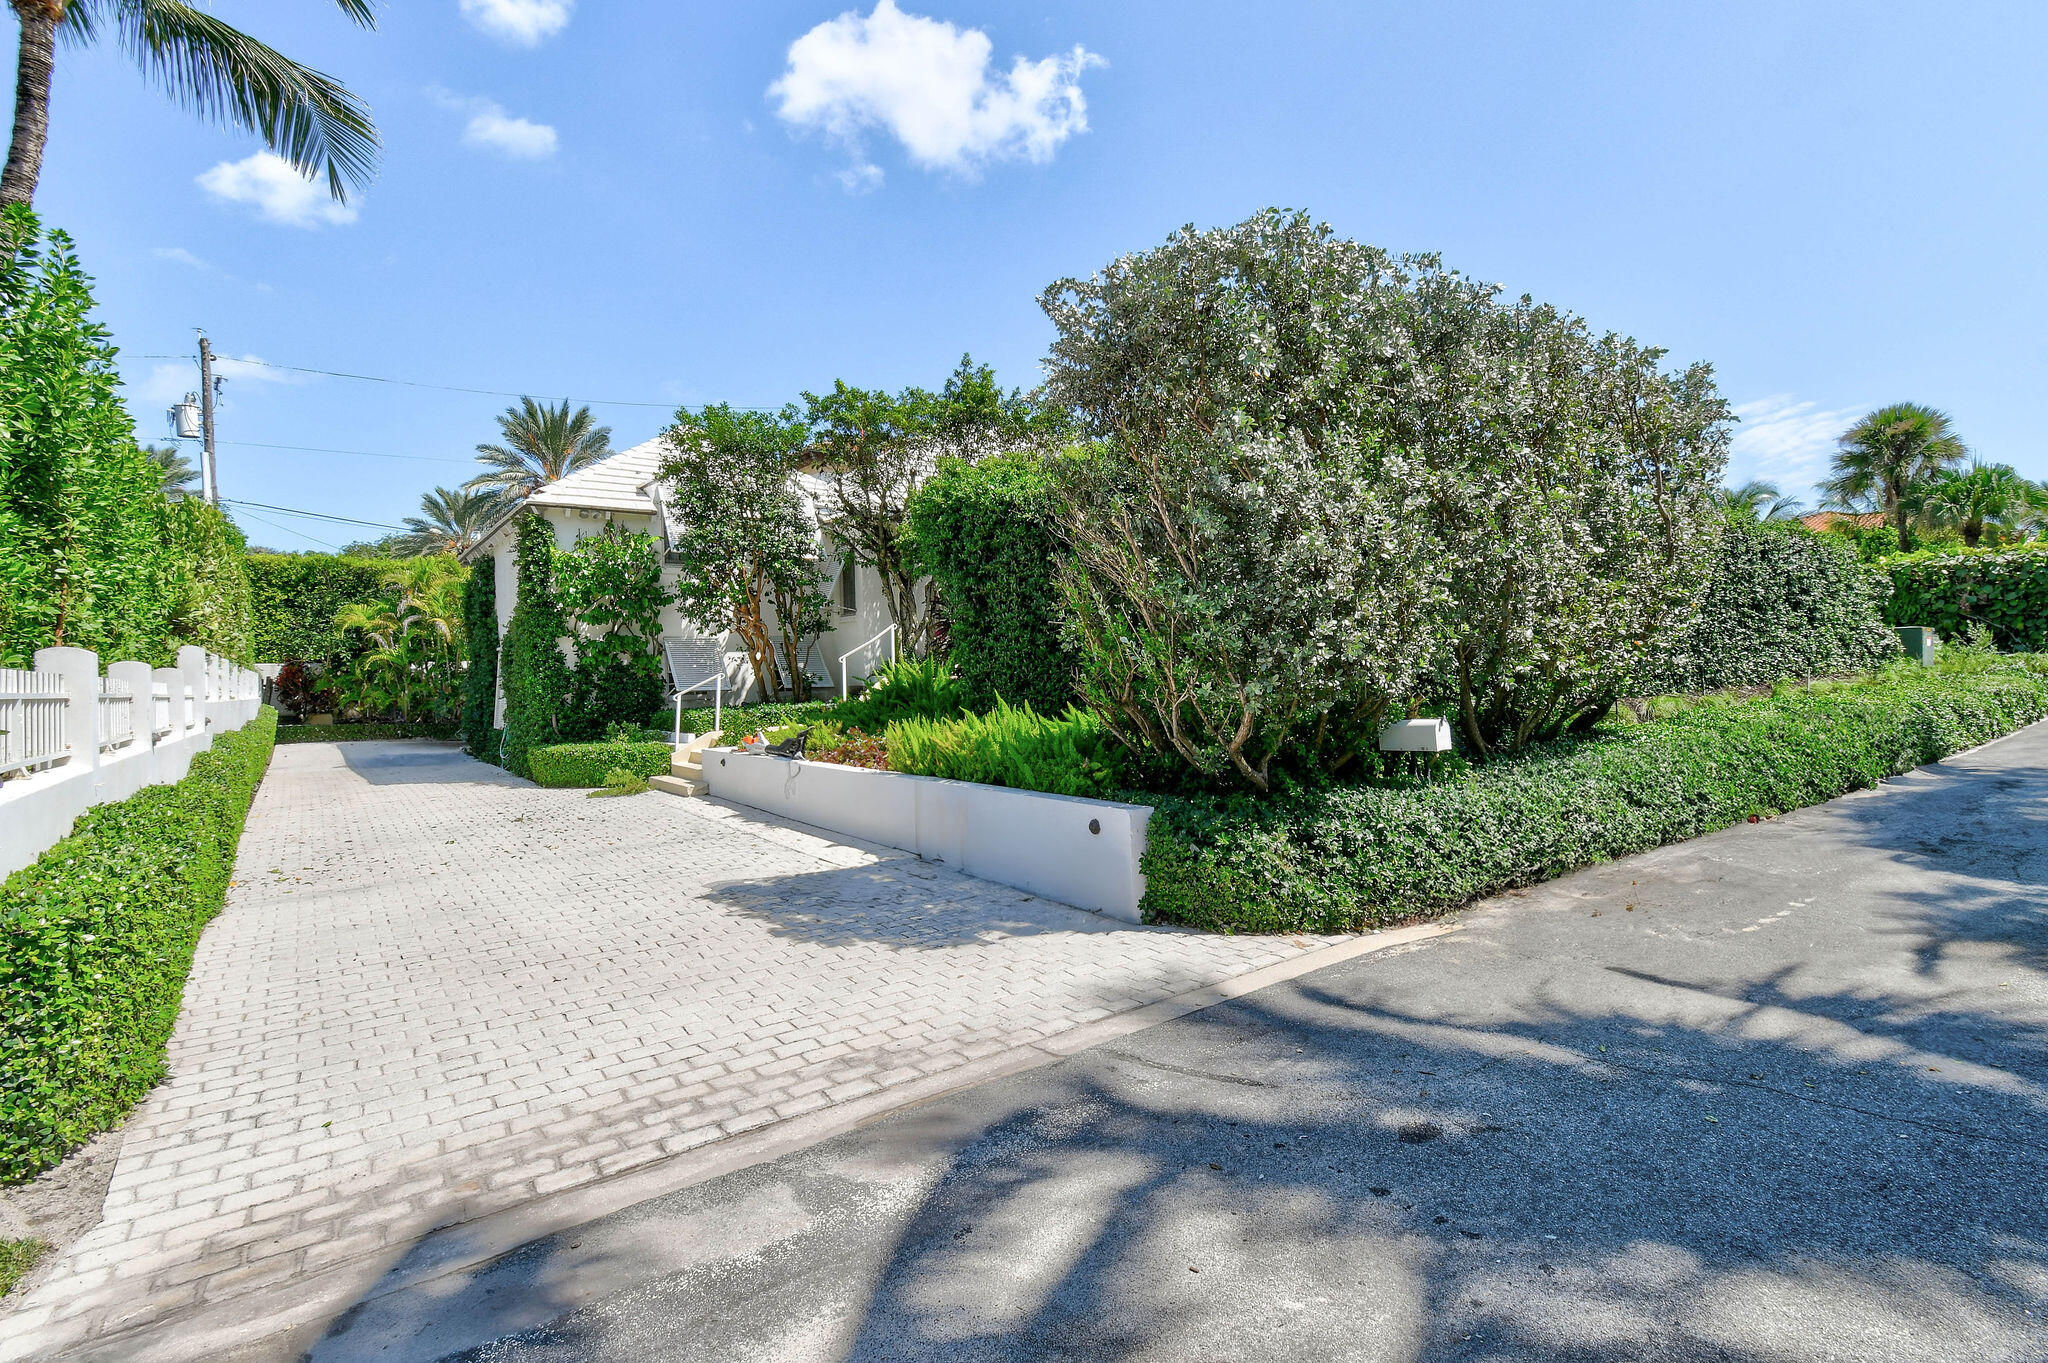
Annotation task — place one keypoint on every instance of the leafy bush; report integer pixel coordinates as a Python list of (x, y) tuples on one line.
[(1782, 602), (591, 764), (985, 534), (480, 647), (848, 748), (620, 781), (610, 591), (294, 599), (208, 592), (1014, 746), (359, 733), (1352, 857), (2006, 589), (915, 688), (1330, 481), (96, 939), (752, 719), (537, 680)]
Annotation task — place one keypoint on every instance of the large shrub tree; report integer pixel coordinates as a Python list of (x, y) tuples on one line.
[(532, 668), (1329, 482), (744, 536)]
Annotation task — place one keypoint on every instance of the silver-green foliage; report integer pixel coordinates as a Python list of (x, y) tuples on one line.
[(1327, 482)]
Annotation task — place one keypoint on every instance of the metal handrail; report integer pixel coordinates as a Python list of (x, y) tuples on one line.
[(889, 634), (717, 706)]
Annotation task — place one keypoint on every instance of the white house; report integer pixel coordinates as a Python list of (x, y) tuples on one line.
[(625, 488)]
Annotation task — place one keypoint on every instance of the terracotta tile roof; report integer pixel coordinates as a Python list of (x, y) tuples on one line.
[(1823, 520)]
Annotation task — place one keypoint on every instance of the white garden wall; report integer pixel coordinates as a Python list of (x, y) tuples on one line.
[(1080, 852), (136, 727)]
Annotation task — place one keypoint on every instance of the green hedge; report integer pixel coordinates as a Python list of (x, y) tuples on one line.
[(1782, 602), (96, 939), (985, 534), (480, 647), (2006, 589), (294, 598), (536, 677), (587, 764), (1356, 857), (358, 733)]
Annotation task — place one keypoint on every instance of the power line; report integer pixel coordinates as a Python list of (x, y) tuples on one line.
[(291, 531), (372, 454), (452, 388), (316, 515)]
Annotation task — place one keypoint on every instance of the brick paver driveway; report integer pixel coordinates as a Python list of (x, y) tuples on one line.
[(438, 992)]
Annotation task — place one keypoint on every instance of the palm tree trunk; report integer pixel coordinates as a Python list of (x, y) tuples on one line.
[(33, 69)]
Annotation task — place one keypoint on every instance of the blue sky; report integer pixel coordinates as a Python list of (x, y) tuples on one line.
[(1838, 205)]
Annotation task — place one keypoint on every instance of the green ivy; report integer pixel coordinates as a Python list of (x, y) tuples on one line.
[(1346, 858), (590, 764), (538, 683), (2006, 589), (984, 533), (1782, 602), (480, 647), (96, 939)]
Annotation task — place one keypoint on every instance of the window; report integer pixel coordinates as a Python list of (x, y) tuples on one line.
[(845, 591)]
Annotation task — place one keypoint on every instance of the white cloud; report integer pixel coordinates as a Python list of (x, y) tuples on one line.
[(492, 129), (527, 23), (927, 83), (1786, 441), (497, 130), (166, 383), (179, 255), (279, 194)]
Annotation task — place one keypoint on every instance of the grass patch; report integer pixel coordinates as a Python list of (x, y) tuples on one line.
[(17, 1257)]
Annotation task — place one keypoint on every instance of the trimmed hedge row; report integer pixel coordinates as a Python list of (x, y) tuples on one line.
[(357, 733), (587, 764), (96, 939), (1782, 602), (1355, 857), (294, 598), (2004, 589)]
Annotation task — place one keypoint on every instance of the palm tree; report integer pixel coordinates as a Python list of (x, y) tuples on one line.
[(1757, 500), (1985, 496), (177, 472), (212, 68), (542, 443), (1890, 454), (451, 521)]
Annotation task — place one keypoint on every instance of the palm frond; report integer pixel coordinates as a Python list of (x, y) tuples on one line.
[(222, 74)]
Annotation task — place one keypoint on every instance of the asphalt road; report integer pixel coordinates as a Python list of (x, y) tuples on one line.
[(1779, 1093)]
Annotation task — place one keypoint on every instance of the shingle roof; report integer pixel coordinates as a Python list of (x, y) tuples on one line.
[(614, 483)]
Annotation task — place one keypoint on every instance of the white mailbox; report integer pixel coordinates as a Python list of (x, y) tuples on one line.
[(1416, 735)]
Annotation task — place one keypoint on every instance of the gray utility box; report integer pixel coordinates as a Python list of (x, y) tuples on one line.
[(1416, 735), (1920, 643)]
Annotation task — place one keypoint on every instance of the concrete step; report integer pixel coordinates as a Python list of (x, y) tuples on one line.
[(678, 785), (691, 767)]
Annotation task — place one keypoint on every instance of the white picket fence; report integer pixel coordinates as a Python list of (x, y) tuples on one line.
[(72, 738)]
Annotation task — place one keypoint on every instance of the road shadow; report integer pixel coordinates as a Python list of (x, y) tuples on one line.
[(902, 902), (421, 762)]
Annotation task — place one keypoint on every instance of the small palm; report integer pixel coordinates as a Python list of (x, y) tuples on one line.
[(542, 443), (1886, 457), (450, 521)]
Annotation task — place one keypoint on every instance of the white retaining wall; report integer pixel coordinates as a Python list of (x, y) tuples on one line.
[(172, 713), (1079, 852)]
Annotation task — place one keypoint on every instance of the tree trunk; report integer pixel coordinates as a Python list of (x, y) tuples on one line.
[(31, 99)]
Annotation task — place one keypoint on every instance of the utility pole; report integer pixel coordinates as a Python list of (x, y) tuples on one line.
[(207, 474)]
